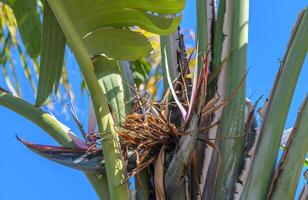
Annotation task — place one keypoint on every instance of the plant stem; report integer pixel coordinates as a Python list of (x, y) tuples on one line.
[(203, 44), (52, 126), (115, 167), (44, 120), (100, 184), (232, 121), (202, 30)]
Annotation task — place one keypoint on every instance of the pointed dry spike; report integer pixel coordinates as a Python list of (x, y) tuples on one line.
[(214, 109), (206, 129), (263, 109), (226, 101), (156, 111), (251, 114), (210, 104), (79, 125), (183, 74)]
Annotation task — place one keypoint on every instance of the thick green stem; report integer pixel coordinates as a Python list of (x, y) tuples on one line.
[(115, 167), (232, 121), (100, 184), (216, 86), (203, 46), (44, 120)]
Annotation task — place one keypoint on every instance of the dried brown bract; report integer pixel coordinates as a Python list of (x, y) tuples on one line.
[(145, 133)]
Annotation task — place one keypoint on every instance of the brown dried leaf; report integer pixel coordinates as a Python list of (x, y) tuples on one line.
[(159, 175)]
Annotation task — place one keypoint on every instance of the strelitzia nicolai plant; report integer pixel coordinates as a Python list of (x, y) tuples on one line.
[(198, 131)]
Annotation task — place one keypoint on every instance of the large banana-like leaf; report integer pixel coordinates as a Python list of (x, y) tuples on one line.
[(52, 55), (287, 174), (29, 24), (157, 6), (117, 43), (99, 15), (276, 112), (93, 21), (124, 18), (104, 28), (285, 136)]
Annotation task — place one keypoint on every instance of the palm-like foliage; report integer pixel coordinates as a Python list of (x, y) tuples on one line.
[(168, 145)]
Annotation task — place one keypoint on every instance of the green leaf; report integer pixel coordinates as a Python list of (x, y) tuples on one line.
[(276, 114), (100, 25), (117, 43), (202, 30), (109, 77), (93, 18), (52, 56), (141, 69), (29, 24), (289, 169), (169, 6)]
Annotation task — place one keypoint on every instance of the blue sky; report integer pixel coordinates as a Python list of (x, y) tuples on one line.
[(25, 175)]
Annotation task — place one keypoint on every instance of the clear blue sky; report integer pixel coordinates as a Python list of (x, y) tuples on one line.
[(24, 175)]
